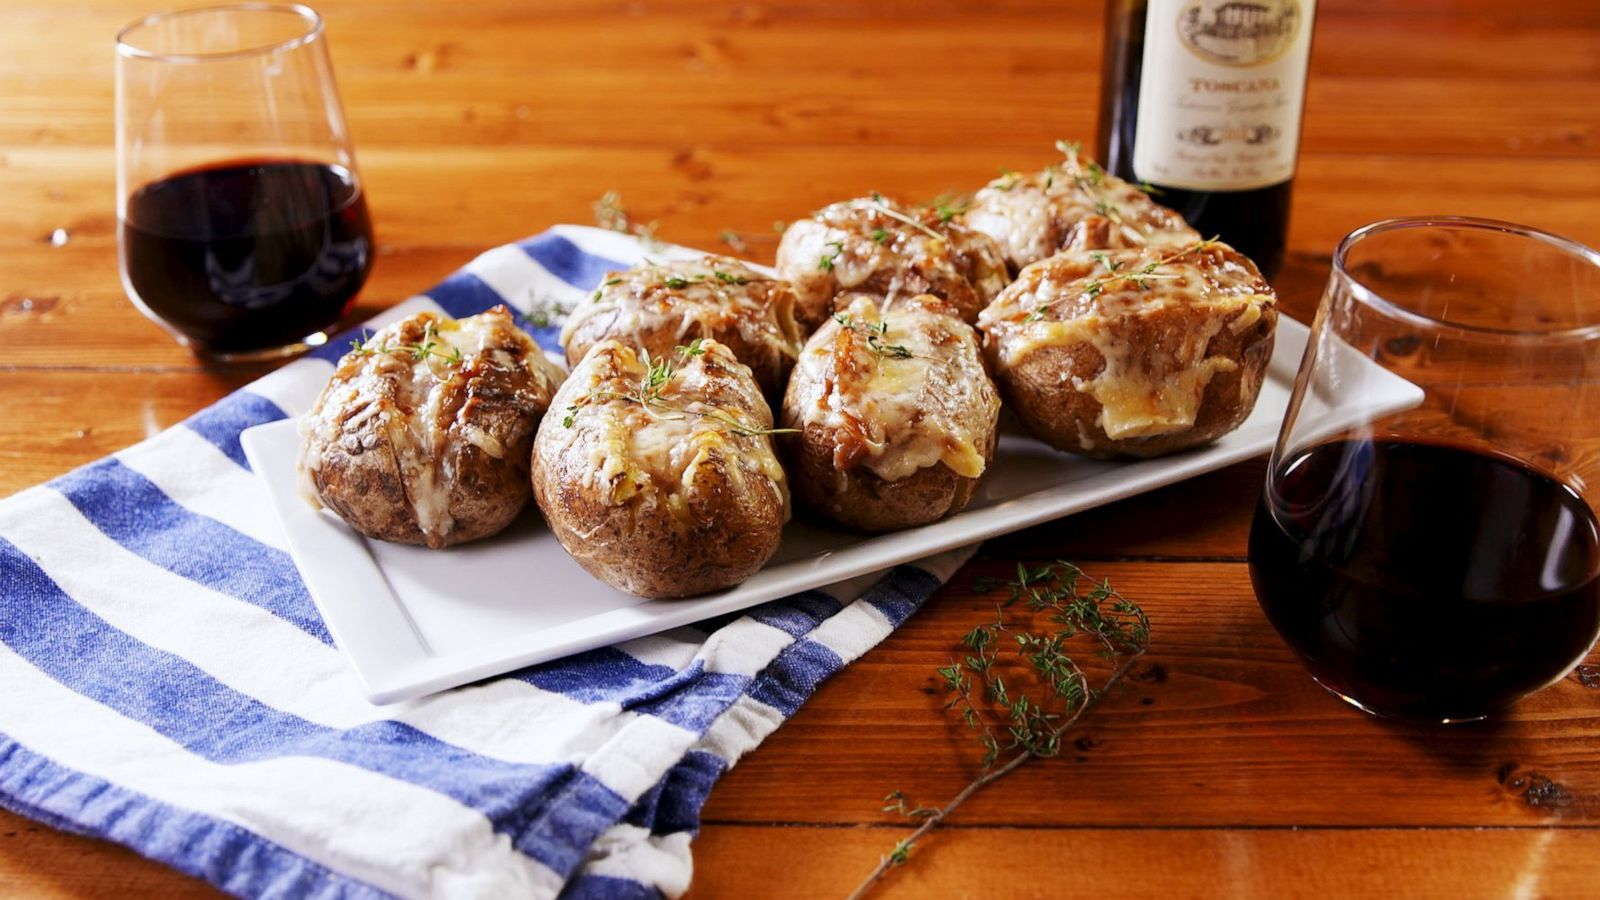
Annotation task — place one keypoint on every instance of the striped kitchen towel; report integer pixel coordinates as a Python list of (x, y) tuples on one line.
[(166, 682)]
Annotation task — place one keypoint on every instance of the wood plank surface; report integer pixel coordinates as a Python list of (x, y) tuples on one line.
[(1220, 769), (1004, 863), (1221, 728)]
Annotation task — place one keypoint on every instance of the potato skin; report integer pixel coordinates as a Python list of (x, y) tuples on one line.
[(1069, 420), (875, 246), (861, 500), (1215, 293), (831, 469), (398, 469), (616, 486), (657, 307)]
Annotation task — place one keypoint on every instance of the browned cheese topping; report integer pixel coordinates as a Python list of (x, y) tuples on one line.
[(874, 245), (646, 428), (901, 388), (433, 383), (695, 298), (1073, 204), (1090, 297)]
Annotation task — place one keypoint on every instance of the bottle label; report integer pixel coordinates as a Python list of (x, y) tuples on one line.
[(1220, 94)]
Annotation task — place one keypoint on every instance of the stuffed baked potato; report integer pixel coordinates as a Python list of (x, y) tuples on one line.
[(875, 246), (1071, 205), (657, 474), (424, 433), (894, 417), (657, 306), (1132, 352)]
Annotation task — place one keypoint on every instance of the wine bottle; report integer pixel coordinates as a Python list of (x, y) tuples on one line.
[(1201, 99)]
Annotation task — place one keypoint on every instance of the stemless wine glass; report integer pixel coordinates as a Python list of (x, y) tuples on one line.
[(242, 224), (1427, 542)]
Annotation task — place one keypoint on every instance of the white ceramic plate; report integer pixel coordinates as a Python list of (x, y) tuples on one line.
[(414, 621)]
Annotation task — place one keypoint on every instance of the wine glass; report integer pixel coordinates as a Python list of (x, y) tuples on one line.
[(242, 223), (1440, 562)]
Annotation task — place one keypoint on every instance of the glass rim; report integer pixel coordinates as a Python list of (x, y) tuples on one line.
[(311, 18), (1368, 296)]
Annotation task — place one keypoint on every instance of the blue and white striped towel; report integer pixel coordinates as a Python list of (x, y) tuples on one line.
[(166, 682)]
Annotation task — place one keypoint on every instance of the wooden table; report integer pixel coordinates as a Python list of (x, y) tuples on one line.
[(1224, 770)]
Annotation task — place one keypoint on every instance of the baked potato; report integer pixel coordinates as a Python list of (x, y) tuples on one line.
[(1070, 205), (894, 417), (657, 474), (657, 306), (1132, 352), (424, 432), (873, 245)]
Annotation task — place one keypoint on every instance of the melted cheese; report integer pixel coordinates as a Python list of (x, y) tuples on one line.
[(1143, 389), (668, 450), (1071, 205), (841, 241), (675, 302), (874, 245), (418, 401), (892, 415)]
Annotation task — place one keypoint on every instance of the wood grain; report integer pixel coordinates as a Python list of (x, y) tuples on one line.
[(1222, 727), (68, 418), (1222, 770), (1175, 863), (44, 864), (490, 195)]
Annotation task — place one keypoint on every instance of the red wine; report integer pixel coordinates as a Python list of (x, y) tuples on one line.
[(1426, 581), (1202, 101), (250, 254)]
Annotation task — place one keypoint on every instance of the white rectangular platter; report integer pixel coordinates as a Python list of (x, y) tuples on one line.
[(414, 621)]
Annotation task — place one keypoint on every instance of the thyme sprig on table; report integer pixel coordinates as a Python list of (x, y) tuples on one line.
[(735, 242), (1115, 273), (610, 215), (1011, 719), (649, 392)]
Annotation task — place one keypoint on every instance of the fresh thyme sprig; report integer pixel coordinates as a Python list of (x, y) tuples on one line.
[(595, 297), (419, 351), (1008, 179), (1084, 175), (609, 214), (647, 393), (1008, 718), (877, 337), (825, 264), (544, 311), (734, 241), (1089, 178), (949, 205), (877, 205), (678, 281), (1138, 277)]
